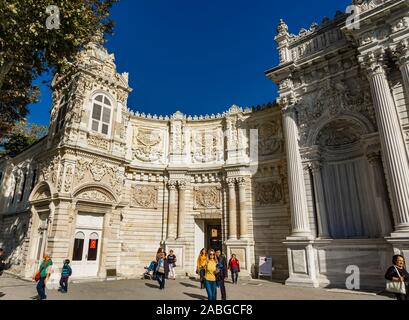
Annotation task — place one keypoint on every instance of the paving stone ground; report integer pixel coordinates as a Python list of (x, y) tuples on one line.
[(183, 289)]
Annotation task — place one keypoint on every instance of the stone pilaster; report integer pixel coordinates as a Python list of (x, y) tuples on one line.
[(323, 227), (297, 193), (182, 208), (172, 213), (232, 209), (392, 141), (243, 208)]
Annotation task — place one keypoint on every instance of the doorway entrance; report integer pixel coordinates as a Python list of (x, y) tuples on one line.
[(213, 236), (87, 246)]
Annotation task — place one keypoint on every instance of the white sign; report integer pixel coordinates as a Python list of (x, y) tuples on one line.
[(265, 266)]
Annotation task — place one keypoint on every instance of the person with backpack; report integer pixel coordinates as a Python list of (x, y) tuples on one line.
[(172, 264), (42, 276), (66, 272)]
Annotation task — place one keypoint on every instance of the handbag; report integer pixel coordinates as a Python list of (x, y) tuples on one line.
[(396, 287)]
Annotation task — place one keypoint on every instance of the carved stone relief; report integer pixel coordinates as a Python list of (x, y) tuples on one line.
[(144, 197), (147, 145), (98, 142), (270, 138), (98, 169), (269, 193), (207, 197)]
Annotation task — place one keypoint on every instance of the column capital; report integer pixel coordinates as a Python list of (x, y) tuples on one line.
[(182, 184), (231, 182), (172, 184), (373, 63), (374, 157), (242, 181), (401, 53)]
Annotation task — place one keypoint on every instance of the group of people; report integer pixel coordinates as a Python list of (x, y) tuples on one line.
[(44, 272), (212, 267), (163, 267)]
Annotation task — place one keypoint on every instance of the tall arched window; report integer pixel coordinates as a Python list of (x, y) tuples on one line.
[(101, 114), (62, 112)]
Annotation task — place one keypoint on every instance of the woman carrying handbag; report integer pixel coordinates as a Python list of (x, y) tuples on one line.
[(397, 278)]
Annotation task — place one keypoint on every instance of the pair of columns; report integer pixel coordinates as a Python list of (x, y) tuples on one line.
[(396, 162), (243, 232), (176, 213)]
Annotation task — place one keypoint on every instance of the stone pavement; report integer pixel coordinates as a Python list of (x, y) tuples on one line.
[(183, 289)]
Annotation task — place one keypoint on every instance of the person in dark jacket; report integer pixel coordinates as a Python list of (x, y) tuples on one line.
[(162, 270), (66, 272), (222, 272), (398, 273)]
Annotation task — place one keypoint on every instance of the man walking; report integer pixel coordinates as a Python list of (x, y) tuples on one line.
[(222, 272)]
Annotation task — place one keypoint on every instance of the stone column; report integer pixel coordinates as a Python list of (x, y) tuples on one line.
[(323, 227), (232, 209), (182, 206), (243, 208), (172, 213), (392, 141), (297, 193)]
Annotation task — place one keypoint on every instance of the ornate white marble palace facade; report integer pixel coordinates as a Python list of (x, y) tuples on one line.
[(324, 184)]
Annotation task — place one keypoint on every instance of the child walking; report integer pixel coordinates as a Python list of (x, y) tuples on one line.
[(65, 275)]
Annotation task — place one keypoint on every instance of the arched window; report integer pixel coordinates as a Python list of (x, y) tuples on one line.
[(78, 246), (101, 114), (62, 112)]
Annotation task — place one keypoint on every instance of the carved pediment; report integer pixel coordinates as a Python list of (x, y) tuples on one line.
[(95, 195)]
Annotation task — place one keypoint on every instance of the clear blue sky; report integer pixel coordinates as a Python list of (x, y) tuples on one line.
[(200, 56)]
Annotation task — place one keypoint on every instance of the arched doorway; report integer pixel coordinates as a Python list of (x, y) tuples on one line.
[(41, 207)]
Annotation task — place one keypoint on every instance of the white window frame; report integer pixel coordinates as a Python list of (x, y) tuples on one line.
[(101, 122)]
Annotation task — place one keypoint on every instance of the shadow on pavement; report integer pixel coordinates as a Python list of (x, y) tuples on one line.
[(2, 294), (152, 286), (188, 285), (195, 296)]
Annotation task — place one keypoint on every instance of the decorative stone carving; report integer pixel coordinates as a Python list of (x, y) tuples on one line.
[(68, 179), (270, 138), (340, 133), (60, 179), (269, 193), (94, 195), (205, 146), (144, 197), (207, 198), (98, 169), (98, 142), (147, 144), (82, 168), (366, 5), (116, 179)]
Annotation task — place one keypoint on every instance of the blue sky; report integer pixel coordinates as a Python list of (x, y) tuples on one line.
[(200, 56)]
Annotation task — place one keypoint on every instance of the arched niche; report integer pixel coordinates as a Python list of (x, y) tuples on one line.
[(347, 197)]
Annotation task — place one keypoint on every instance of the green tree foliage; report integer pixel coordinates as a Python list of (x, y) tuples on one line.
[(28, 48), (20, 137)]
